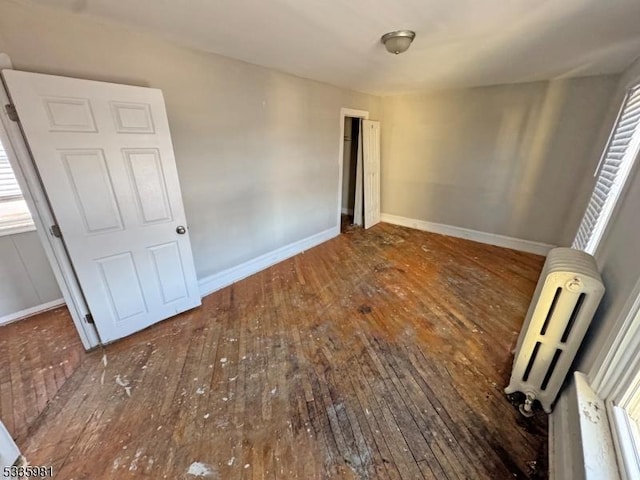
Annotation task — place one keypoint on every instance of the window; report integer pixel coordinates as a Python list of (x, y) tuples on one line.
[(624, 399), (612, 172), (14, 213)]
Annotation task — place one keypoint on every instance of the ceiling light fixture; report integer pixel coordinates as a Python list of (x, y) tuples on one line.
[(399, 41)]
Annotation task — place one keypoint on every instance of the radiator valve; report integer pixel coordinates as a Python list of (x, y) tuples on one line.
[(526, 408)]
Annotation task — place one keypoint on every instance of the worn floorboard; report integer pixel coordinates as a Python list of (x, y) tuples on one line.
[(37, 357), (379, 354)]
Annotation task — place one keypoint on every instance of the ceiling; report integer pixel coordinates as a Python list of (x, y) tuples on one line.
[(458, 43)]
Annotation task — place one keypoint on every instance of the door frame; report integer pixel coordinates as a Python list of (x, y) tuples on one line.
[(20, 159), (345, 112)]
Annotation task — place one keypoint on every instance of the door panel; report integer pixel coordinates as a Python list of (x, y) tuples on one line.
[(371, 163), (147, 180), (88, 176), (132, 117), (66, 114), (168, 268), (126, 298), (106, 160)]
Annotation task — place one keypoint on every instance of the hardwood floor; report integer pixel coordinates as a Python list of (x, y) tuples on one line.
[(379, 354), (38, 355)]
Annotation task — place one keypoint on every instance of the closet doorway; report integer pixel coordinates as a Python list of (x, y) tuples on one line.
[(359, 186), (352, 191)]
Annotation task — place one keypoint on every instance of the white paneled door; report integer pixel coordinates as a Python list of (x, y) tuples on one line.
[(106, 160), (371, 164)]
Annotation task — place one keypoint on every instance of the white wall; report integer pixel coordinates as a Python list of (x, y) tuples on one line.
[(507, 159), (26, 279), (256, 150)]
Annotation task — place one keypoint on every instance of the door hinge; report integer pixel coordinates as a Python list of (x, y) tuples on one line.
[(55, 231), (12, 113), (89, 319)]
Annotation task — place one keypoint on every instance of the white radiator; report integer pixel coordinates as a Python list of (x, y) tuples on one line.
[(566, 297)]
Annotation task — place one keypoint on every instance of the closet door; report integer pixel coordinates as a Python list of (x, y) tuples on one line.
[(371, 167)]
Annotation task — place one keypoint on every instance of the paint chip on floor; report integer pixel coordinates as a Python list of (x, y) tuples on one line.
[(124, 384), (199, 469)]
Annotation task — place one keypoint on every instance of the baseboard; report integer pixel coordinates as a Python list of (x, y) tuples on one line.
[(13, 317), (225, 278), (475, 235)]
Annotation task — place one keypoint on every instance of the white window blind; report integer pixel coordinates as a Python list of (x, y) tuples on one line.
[(613, 170), (9, 189), (14, 213)]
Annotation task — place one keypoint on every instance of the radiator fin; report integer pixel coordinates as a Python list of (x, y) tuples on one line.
[(552, 308), (572, 318), (552, 367), (532, 360)]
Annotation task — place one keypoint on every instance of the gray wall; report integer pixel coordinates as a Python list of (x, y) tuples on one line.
[(507, 159), (618, 254), (26, 279), (256, 150)]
